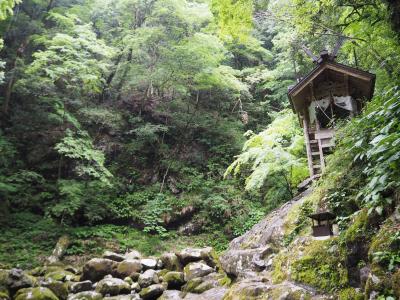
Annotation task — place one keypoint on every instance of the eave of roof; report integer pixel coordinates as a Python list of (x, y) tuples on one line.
[(326, 65)]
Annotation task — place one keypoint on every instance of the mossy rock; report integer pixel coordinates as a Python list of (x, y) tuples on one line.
[(358, 229), (60, 289), (59, 275), (174, 279), (278, 268), (37, 293), (320, 266), (86, 295), (192, 284), (396, 283), (152, 292), (4, 295), (350, 294)]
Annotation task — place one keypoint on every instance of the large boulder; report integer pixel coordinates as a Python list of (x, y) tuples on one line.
[(148, 278), (60, 289), (123, 297), (149, 263), (88, 295), (133, 255), (59, 275), (194, 254), (96, 268), (196, 269), (113, 256), (112, 286), (174, 280), (212, 294), (152, 292), (235, 262), (37, 293), (81, 286), (199, 285), (18, 279), (127, 267), (171, 295), (171, 262)]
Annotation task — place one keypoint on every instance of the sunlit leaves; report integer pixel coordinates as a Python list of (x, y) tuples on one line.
[(278, 150), (89, 161), (234, 19)]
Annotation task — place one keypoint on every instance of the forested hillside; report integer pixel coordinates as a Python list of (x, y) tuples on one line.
[(155, 125)]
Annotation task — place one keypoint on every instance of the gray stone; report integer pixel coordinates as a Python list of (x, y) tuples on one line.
[(123, 297), (171, 262), (60, 289), (133, 255), (235, 262), (96, 268), (127, 268), (81, 286), (135, 287), (171, 295), (364, 274), (18, 279), (196, 269), (148, 263), (87, 295), (212, 294), (112, 286), (174, 279), (36, 293), (148, 278), (113, 256), (152, 292)]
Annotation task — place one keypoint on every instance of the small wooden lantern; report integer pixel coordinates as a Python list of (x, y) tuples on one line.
[(322, 223)]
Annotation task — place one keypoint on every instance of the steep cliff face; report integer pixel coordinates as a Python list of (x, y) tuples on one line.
[(279, 259)]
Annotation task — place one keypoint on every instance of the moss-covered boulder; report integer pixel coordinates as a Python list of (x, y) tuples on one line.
[(96, 268), (113, 256), (148, 278), (196, 269), (350, 294), (152, 292), (171, 262), (127, 268), (396, 284), (4, 293), (60, 289), (59, 275), (149, 263), (171, 295), (80, 286), (201, 284), (18, 279), (37, 293), (112, 286), (88, 295), (174, 280)]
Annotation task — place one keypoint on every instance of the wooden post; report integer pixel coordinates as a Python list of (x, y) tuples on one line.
[(308, 145), (321, 152)]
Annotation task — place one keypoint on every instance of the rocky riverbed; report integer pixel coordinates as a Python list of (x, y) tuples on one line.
[(188, 274)]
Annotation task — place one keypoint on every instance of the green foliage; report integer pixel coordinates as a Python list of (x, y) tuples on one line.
[(276, 152), (6, 8), (233, 18), (89, 162), (374, 143)]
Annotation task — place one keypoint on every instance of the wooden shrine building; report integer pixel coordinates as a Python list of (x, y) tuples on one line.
[(331, 91)]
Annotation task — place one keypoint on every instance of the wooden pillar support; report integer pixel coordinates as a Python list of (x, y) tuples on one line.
[(308, 145)]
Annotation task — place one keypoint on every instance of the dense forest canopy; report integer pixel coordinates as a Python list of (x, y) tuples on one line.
[(171, 116)]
